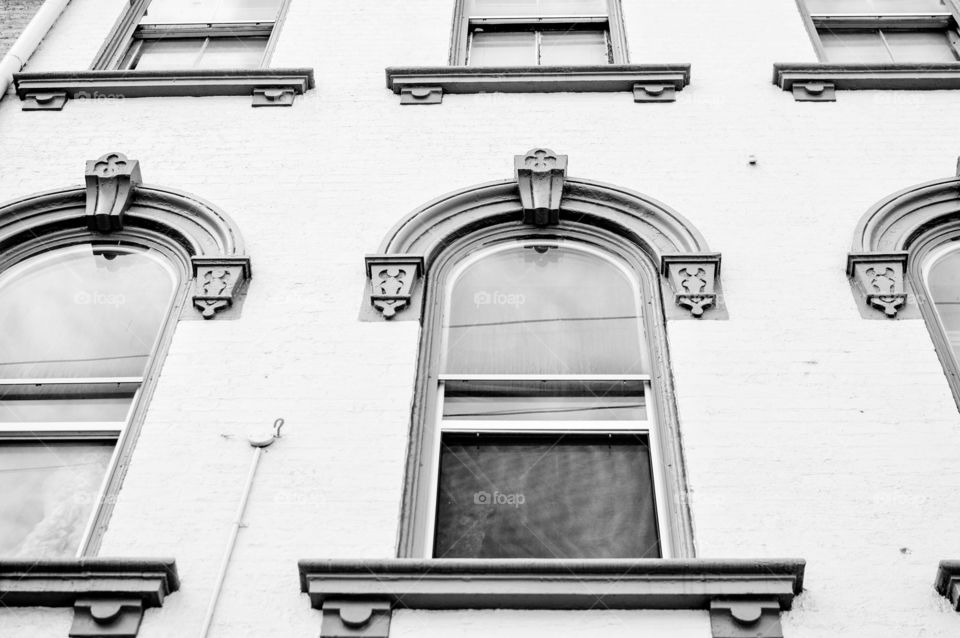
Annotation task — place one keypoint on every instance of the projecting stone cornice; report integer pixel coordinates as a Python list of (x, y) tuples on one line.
[(744, 597), (108, 594), (428, 84), (49, 91), (818, 82)]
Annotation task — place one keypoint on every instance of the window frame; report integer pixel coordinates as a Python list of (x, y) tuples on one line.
[(417, 523), (118, 51), (462, 30), (124, 437), (948, 21)]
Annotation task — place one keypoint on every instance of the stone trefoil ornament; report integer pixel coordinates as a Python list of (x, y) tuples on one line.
[(217, 281), (879, 277), (111, 182), (392, 279), (540, 174), (693, 278)]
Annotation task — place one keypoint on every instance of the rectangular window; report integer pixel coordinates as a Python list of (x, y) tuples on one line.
[(883, 31), (194, 34), (538, 32)]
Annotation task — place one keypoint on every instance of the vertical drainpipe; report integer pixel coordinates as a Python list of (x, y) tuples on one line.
[(28, 41)]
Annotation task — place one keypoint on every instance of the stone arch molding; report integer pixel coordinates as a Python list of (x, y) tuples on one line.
[(115, 199), (540, 195), (887, 241)]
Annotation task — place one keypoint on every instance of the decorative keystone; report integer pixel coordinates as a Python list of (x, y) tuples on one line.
[(654, 93), (948, 582), (103, 617), (814, 92), (392, 279), (750, 618), (111, 182), (348, 618), (47, 101), (421, 95), (273, 97), (879, 278), (693, 280), (540, 174), (217, 281)]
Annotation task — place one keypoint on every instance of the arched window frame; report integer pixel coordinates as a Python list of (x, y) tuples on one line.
[(666, 253), (199, 241), (893, 244)]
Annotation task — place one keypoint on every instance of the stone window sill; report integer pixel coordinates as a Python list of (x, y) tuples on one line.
[(744, 597), (948, 581), (812, 82), (108, 595), (49, 91), (648, 82)]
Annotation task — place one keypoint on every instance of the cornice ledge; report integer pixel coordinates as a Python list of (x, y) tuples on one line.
[(823, 77), (50, 90), (657, 78), (552, 584), (948, 581), (61, 583)]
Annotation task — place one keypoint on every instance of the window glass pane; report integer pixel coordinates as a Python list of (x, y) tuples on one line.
[(502, 48), (919, 46), (61, 402), (210, 11), (543, 310), (544, 400), (574, 47), (853, 46), (47, 494), (944, 285), (545, 496), (83, 311), (877, 6), (178, 53), (490, 8), (226, 53)]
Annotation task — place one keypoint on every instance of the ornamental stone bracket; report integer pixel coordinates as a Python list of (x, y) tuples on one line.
[(111, 182), (948, 582), (421, 95), (108, 596), (814, 92), (218, 281), (392, 280), (540, 175), (878, 279), (744, 597), (693, 279)]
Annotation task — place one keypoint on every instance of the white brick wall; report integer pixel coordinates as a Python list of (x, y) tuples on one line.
[(808, 431)]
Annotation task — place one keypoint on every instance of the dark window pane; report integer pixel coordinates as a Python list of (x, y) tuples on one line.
[(503, 48), (544, 400), (47, 494), (545, 496), (573, 47), (853, 46), (543, 311), (82, 312), (919, 46)]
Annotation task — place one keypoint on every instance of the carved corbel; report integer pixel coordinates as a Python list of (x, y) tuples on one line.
[(392, 280), (217, 281), (282, 96), (693, 280), (650, 92), (44, 101), (540, 175), (421, 95), (879, 278), (349, 618), (814, 92), (103, 617), (750, 618), (111, 182)]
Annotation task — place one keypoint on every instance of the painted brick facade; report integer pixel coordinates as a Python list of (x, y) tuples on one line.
[(14, 16), (807, 430)]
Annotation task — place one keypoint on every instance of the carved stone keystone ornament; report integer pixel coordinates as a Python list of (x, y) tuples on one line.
[(879, 277), (111, 182), (217, 280), (392, 279), (540, 175), (693, 280)]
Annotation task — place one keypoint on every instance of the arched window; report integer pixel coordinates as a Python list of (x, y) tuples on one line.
[(941, 272), (92, 282), (544, 422)]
